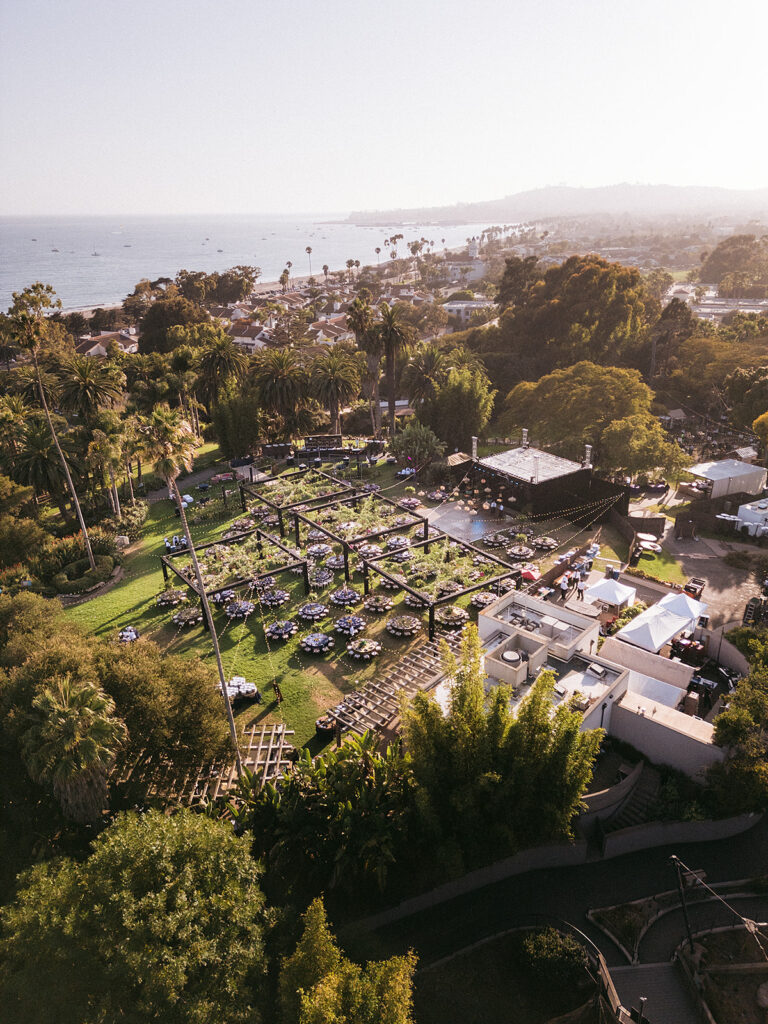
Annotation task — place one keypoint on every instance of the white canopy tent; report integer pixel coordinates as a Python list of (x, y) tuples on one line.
[(653, 628), (731, 476), (611, 592), (683, 605)]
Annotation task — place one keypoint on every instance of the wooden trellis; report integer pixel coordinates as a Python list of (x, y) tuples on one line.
[(375, 706), (266, 751)]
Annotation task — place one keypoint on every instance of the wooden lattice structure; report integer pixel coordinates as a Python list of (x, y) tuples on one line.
[(376, 563), (376, 707), (266, 751), (260, 493), (349, 544), (264, 541)]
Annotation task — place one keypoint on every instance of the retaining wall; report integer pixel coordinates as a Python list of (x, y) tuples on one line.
[(663, 833), (641, 837)]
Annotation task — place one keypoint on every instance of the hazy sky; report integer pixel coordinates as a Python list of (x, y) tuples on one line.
[(218, 106)]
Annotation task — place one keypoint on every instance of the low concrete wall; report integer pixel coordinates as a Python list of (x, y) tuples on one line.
[(630, 840), (554, 855), (603, 804), (724, 652), (663, 833)]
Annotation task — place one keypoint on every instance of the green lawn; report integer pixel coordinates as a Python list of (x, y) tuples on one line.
[(309, 684), (662, 567)]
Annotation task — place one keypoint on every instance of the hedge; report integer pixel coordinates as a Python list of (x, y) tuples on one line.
[(77, 578)]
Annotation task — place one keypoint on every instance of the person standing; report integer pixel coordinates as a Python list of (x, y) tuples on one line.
[(581, 586), (564, 585)]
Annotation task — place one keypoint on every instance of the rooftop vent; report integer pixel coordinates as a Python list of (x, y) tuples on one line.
[(597, 670)]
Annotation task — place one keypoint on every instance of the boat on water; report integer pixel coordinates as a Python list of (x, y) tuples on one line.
[(54, 250), (219, 250)]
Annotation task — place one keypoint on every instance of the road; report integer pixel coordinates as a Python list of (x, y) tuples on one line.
[(567, 893)]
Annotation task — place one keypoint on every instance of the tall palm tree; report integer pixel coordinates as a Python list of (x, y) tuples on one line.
[(360, 320), (170, 443), (105, 452), (281, 383), (221, 359), (334, 381), (28, 326), (395, 336), (423, 373), (325, 273), (87, 385), (377, 250), (38, 463), (308, 251), (14, 414), (71, 743)]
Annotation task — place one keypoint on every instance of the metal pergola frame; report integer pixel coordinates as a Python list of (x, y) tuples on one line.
[(166, 563), (254, 491), (347, 544), (432, 603)]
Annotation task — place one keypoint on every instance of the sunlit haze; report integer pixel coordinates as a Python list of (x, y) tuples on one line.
[(245, 106)]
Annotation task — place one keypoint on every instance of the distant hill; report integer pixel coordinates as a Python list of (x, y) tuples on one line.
[(646, 202)]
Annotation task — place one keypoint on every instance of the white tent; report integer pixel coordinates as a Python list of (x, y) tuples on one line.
[(653, 628), (611, 592), (731, 476), (683, 605)]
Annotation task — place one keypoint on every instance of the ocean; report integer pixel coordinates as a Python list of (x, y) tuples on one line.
[(96, 261)]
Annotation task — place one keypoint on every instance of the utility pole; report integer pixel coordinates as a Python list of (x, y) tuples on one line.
[(675, 861)]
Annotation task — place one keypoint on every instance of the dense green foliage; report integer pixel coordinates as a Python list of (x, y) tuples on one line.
[(738, 266), (319, 985), (741, 781), (605, 406), (416, 445), (164, 920), (490, 782)]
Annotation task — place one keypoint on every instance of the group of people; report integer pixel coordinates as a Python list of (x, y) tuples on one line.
[(176, 543), (577, 578)]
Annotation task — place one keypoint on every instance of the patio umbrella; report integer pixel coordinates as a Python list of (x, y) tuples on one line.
[(650, 538)]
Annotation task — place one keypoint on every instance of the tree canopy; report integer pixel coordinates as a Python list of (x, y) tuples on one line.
[(319, 985), (163, 921)]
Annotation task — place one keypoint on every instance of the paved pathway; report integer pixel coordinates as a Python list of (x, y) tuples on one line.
[(567, 893), (663, 985)]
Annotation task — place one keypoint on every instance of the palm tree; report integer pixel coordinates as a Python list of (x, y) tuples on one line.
[(360, 320), (105, 452), (170, 443), (395, 335), (71, 743), (308, 251), (38, 463), (14, 414), (281, 383), (87, 385), (325, 273), (377, 250), (423, 373), (334, 381), (25, 383), (221, 359), (283, 280), (28, 327)]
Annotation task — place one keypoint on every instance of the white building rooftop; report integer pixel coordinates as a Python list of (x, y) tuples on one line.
[(531, 465)]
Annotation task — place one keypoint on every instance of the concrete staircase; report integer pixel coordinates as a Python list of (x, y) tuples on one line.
[(637, 808), (668, 999)]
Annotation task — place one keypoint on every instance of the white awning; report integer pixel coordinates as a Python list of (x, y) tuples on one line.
[(683, 605), (653, 628), (611, 592)]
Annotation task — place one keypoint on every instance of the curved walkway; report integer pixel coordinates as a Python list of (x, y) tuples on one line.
[(569, 892)]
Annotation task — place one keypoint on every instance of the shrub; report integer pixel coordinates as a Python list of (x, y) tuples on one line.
[(131, 521), (77, 577), (556, 961), (626, 617)]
